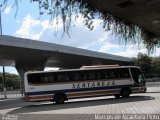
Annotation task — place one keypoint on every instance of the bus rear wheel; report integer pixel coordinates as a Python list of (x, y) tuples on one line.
[(125, 93), (59, 98)]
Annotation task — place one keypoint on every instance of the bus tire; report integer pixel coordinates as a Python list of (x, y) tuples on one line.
[(117, 96), (59, 98), (125, 92)]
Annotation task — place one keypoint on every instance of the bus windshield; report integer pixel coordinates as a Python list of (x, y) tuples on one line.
[(137, 76)]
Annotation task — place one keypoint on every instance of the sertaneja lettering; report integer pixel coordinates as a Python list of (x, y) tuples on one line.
[(108, 83), (73, 86), (103, 84), (98, 84), (83, 85), (93, 84), (78, 85)]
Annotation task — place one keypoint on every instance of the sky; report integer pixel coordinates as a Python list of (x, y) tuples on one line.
[(29, 24)]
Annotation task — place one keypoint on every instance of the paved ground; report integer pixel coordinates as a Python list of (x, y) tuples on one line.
[(146, 103)]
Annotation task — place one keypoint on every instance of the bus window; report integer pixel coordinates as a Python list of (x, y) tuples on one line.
[(60, 77), (112, 75), (66, 77), (48, 78), (83, 76), (98, 75), (34, 78), (105, 74), (91, 75), (76, 76), (122, 73)]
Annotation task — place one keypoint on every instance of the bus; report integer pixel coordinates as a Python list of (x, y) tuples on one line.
[(88, 81)]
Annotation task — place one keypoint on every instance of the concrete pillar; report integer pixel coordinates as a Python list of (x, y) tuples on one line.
[(22, 67), (21, 74)]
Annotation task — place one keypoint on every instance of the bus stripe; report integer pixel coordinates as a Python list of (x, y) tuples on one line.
[(41, 97), (82, 94), (93, 93), (77, 90)]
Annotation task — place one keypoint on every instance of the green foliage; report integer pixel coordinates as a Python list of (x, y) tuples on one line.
[(12, 81), (64, 9), (144, 62), (156, 66), (150, 65)]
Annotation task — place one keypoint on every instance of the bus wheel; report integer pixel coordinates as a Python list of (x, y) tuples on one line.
[(59, 98), (125, 92), (117, 96)]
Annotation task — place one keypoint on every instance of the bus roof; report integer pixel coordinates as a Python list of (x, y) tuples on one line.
[(86, 68), (99, 66)]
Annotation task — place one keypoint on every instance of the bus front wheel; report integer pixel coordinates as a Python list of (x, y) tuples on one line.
[(59, 98), (125, 92)]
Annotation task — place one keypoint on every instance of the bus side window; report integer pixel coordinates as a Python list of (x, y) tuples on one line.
[(91, 75), (98, 75), (118, 75), (83, 76), (66, 77), (111, 74), (75, 76), (59, 77), (105, 74), (45, 79), (48, 78), (124, 73), (34, 78), (63, 77)]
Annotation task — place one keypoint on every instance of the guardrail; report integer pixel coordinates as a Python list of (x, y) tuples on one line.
[(11, 94), (153, 87), (153, 84)]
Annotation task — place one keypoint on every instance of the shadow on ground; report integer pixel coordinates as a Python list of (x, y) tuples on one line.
[(47, 106)]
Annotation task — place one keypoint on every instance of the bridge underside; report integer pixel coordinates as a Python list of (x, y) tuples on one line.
[(144, 13)]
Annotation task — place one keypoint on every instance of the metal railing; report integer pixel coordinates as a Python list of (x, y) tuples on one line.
[(11, 94)]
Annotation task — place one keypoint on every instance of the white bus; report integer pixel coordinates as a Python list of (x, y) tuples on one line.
[(59, 86)]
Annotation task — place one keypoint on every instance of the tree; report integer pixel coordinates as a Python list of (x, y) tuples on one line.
[(144, 62), (156, 66), (12, 81), (1, 82), (64, 9)]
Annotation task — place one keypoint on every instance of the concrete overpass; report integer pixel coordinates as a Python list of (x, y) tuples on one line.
[(144, 13), (25, 55)]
